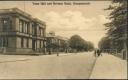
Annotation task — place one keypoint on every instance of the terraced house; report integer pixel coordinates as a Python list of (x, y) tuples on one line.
[(20, 33)]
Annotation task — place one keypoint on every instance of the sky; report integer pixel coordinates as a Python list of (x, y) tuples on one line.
[(67, 20)]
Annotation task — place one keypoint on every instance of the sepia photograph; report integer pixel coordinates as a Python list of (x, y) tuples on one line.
[(63, 39)]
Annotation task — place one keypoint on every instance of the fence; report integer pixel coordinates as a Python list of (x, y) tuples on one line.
[(122, 54), (111, 51)]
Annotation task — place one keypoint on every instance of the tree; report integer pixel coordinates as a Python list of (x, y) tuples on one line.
[(117, 28), (76, 42), (90, 46), (79, 44), (105, 43)]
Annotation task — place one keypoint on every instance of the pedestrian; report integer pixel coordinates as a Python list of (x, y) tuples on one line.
[(57, 54), (49, 51), (95, 53), (124, 54), (100, 52)]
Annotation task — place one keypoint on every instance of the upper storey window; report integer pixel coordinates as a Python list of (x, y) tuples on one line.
[(34, 29), (23, 26), (20, 25), (6, 24)]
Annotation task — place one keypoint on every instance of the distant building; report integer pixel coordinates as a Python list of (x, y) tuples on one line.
[(56, 43), (63, 44), (20, 33)]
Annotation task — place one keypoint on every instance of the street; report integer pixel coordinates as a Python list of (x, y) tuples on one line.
[(64, 66), (63, 39)]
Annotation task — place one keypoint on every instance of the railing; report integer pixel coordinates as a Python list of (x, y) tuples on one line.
[(112, 51), (122, 54)]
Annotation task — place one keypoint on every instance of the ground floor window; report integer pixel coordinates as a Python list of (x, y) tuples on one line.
[(0, 42), (5, 41), (22, 42), (40, 44), (27, 44)]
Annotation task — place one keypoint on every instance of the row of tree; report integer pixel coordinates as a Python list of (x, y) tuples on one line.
[(79, 44), (117, 28), (74, 44), (107, 43)]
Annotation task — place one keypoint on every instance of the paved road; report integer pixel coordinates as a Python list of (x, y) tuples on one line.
[(47, 66)]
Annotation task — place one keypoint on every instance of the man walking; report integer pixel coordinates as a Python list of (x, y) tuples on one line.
[(99, 52), (95, 53)]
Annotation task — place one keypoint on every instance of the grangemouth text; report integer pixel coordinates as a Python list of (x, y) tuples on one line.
[(81, 3)]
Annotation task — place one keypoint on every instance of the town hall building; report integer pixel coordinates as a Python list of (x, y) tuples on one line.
[(20, 33)]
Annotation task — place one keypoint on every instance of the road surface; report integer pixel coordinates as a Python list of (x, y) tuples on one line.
[(64, 66)]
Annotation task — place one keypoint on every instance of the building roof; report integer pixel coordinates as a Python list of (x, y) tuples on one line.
[(52, 35), (18, 11), (49, 35), (62, 38), (58, 37)]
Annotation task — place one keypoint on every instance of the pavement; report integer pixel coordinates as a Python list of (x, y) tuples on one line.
[(13, 58), (108, 66)]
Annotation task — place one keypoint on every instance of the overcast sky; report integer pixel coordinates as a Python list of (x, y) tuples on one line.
[(85, 20)]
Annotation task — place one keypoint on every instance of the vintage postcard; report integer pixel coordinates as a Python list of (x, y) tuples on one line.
[(63, 39)]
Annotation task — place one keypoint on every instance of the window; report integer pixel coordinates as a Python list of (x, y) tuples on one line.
[(6, 25), (27, 44), (24, 26), (33, 29), (5, 42), (40, 43), (40, 31), (5, 22), (23, 29), (43, 32), (28, 29), (1, 42), (22, 42), (20, 25)]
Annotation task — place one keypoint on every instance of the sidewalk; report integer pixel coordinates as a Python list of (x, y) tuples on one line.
[(13, 58), (109, 67)]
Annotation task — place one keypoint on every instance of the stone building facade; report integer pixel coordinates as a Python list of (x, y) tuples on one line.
[(56, 43), (20, 33)]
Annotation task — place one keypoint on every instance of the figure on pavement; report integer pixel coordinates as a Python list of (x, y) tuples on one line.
[(99, 52), (95, 53)]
